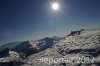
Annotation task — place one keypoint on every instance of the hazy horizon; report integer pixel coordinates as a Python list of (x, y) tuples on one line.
[(34, 19)]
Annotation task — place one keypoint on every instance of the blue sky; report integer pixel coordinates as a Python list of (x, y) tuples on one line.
[(34, 19)]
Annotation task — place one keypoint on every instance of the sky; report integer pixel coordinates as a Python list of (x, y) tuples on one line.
[(34, 19)]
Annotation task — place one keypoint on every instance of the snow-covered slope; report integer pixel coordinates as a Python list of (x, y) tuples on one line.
[(30, 47), (45, 43), (11, 57), (78, 46), (84, 46)]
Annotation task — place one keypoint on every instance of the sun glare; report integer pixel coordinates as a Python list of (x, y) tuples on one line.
[(55, 6)]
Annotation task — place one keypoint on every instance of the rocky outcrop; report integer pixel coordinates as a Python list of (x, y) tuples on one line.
[(4, 52), (73, 33)]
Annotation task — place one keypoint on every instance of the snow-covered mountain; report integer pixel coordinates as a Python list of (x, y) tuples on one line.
[(20, 50), (45, 43), (30, 47), (80, 49)]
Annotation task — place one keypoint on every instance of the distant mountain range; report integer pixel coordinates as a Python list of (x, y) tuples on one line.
[(31, 47)]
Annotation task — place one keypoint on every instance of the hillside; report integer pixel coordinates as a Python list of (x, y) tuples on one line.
[(84, 45), (79, 48)]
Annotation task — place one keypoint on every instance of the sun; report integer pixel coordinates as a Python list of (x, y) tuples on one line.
[(55, 6)]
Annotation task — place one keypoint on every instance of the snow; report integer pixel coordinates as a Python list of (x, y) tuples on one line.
[(88, 39), (84, 45), (12, 56)]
